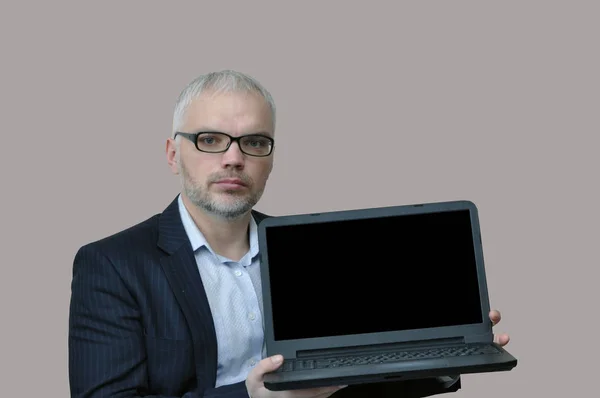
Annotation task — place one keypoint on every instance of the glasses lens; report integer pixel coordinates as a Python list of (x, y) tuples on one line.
[(256, 145), (212, 142)]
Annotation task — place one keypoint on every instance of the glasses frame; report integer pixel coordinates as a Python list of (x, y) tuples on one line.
[(193, 137)]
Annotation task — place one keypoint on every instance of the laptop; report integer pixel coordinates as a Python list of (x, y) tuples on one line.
[(376, 295)]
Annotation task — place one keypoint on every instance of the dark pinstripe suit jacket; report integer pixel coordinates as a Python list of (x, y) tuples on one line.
[(140, 324)]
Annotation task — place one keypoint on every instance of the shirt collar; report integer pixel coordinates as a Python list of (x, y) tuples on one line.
[(198, 240)]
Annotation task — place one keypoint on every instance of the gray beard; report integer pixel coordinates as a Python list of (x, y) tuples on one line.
[(236, 207)]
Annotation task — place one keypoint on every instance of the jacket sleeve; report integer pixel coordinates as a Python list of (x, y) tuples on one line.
[(106, 341)]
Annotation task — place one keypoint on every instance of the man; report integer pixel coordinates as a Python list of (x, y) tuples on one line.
[(172, 307)]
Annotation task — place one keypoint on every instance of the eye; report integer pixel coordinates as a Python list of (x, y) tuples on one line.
[(209, 139), (256, 142)]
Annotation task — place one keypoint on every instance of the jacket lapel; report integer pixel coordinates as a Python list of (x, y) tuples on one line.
[(182, 273)]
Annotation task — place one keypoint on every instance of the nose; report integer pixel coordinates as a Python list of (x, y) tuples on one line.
[(233, 157)]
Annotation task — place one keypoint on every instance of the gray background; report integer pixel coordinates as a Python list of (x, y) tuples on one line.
[(495, 102)]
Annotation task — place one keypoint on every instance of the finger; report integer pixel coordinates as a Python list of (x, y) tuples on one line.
[(269, 364), (318, 392), (266, 365), (330, 393), (495, 317), (501, 339)]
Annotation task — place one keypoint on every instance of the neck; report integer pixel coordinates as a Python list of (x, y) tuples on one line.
[(228, 238)]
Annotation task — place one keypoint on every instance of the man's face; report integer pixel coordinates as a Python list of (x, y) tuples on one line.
[(230, 183)]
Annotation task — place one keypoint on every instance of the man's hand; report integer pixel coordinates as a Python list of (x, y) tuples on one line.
[(501, 339), (257, 389)]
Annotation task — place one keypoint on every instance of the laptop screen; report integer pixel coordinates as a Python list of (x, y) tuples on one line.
[(373, 275)]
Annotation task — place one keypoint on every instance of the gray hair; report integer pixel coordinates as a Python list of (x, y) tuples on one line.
[(221, 81)]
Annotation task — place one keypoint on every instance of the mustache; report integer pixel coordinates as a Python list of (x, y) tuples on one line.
[(243, 177)]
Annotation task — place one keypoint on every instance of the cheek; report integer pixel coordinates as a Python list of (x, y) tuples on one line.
[(195, 171), (258, 172), (265, 170)]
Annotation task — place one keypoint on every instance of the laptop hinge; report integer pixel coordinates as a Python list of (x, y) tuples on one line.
[(367, 349), (479, 338)]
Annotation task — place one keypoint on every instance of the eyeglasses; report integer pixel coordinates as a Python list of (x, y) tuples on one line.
[(217, 142)]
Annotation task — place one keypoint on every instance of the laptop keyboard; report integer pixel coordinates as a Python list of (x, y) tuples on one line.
[(388, 357)]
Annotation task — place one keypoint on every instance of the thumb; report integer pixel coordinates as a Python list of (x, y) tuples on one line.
[(254, 381), (269, 364)]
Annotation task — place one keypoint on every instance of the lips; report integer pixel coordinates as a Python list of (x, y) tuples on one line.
[(231, 184), (231, 181)]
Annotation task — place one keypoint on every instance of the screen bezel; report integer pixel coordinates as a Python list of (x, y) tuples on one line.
[(289, 348)]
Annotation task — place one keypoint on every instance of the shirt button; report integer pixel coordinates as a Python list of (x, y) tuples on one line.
[(252, 362), (252, 316), (238, 272)]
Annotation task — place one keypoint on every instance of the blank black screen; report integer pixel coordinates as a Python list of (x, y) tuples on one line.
[(372, 275)]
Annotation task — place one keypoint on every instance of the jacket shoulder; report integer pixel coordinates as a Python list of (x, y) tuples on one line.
[(144, 233)]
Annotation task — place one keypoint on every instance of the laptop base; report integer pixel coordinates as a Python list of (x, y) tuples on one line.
[(391, 371)]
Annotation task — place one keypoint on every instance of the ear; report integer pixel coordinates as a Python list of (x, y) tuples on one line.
[(171, 151)]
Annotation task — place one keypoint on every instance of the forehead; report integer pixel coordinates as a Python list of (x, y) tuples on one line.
[(232, 112)]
